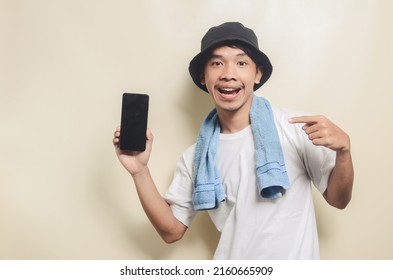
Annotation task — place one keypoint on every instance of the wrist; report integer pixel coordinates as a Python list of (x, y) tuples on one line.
[(142, 172), (346, 148), (344, 153)]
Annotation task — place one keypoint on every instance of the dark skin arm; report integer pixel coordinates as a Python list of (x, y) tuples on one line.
[(322, 132), (156, 208)]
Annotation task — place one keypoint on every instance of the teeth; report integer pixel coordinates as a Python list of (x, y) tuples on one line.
[(228, 89)]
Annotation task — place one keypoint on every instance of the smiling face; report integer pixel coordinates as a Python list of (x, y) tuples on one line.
[(229, 76)]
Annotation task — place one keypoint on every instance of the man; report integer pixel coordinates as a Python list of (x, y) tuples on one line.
[(252, 166)]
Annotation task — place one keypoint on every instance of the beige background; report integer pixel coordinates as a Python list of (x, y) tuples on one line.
[(65, 64)]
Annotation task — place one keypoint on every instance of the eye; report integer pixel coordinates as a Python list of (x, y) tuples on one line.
[(216, 63), (242, 63)]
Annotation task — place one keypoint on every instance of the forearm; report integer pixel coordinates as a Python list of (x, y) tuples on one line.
[(322, 132), (339, 190), (156, 208)]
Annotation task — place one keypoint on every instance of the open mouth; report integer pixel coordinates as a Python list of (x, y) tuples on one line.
[(229, 91)]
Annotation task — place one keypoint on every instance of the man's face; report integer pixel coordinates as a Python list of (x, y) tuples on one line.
[(229, 77)]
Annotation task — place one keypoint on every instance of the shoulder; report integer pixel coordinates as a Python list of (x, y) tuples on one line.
[(185, 162), (292, 137), (189, 153), (283, 114)]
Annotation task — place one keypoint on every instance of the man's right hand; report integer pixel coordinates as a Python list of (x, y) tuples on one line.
[(134, 162)]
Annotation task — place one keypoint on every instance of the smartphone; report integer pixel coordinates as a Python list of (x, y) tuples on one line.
[(134, 112)]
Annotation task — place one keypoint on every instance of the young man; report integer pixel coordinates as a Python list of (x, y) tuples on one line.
[(252, 166)]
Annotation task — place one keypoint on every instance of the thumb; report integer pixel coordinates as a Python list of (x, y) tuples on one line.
[(149, 138)]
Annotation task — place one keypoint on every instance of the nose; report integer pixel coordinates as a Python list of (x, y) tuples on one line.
[(228, 72)]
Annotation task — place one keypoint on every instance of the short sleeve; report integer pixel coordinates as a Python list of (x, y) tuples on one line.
[(179, 193)]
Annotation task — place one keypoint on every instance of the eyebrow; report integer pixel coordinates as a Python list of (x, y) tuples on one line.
[(220, 56)]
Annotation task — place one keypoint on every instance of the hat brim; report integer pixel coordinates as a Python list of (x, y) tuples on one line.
[(196, 66)]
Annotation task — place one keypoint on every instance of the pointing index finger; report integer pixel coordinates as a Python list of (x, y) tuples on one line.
[(303, 119)]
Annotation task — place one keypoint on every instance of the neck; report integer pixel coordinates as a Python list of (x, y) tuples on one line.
[(232, 122)]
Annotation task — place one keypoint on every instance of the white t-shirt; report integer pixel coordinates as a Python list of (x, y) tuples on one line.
[(253, 227)]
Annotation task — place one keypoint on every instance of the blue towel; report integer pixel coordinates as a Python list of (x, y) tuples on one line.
[(272, 178)]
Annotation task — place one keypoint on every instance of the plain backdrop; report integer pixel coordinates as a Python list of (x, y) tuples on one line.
[(65, 64)]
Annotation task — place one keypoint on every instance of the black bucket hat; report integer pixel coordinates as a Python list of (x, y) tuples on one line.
[(229, 32)]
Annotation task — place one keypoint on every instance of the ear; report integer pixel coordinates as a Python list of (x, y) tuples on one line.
[(203, 79), (258, 75)]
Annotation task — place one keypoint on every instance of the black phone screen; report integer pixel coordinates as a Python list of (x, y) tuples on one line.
[(133, 127)]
